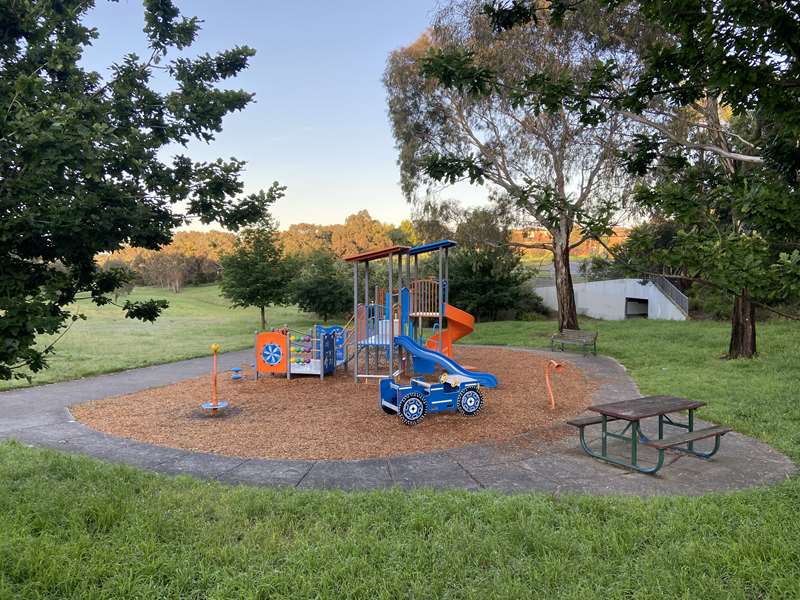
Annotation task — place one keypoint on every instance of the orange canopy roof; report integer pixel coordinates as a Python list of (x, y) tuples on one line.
[(376, 254)]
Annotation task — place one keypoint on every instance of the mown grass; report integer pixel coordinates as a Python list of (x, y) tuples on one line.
[(72, 527), (106, 341), (76, 528)]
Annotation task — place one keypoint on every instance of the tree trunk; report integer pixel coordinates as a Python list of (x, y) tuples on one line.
[(263, 318), (743, 327), (567, 311)]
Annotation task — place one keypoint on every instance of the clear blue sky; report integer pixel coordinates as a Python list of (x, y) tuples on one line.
[(319, 123)]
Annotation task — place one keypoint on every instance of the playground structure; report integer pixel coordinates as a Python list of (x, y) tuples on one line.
[(387, 338), (390, 324), (315, 419), (389, 334), (318, 351)]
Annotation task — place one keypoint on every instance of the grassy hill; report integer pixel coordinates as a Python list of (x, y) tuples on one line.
[(198, 316)]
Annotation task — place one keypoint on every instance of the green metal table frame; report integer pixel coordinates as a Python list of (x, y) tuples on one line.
[(636, 436)]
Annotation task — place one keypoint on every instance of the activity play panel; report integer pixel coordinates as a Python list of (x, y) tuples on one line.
[(283, 351)]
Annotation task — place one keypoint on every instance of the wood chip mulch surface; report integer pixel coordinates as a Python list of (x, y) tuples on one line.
[(305, 418)]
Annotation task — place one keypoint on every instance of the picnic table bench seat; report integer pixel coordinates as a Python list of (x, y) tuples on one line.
[(589, 420), (689, 436), (574, 337)]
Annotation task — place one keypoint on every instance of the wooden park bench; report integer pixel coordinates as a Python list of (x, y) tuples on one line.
[(634, 411), (574, 337)]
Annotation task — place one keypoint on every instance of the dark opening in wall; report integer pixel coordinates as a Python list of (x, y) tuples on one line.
[(636, 308)]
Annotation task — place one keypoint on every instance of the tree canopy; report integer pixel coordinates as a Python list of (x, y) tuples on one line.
[(486, 275), (555, 168), (323, 285), (358, 233), (255, 272), (82, 167), (742, 53)]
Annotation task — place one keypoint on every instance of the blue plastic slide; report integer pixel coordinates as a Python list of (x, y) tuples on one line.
[(425, 358)]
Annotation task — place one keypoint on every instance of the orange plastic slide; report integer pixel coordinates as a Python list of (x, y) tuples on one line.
[(459, 324)]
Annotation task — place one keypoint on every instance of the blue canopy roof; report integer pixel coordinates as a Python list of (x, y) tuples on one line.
[(430, 247)]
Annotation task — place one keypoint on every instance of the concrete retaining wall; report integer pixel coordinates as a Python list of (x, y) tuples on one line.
[(607, 299)]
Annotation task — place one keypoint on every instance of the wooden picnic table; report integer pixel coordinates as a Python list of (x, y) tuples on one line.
[(633, 411)]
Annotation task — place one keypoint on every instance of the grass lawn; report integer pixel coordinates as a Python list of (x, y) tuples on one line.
[(198, 316), (72, 527)]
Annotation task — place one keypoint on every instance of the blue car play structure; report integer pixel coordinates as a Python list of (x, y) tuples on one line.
[(412, 402), (459, 389)]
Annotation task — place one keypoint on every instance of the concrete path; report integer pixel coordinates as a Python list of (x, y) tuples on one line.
[(39, 416)]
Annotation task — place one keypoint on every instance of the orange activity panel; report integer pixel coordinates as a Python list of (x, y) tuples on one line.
[(271, 352)]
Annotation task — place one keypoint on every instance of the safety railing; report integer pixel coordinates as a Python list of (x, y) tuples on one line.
[(425, 298), (374, 329), (669, 289)]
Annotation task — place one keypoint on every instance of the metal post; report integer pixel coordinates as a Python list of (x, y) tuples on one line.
[(604, 427), (255, 349), (366, 315), (441, 300), (447, 274), (417, 295), (390, 265), (355, 321), (314, 341), (400, 354)]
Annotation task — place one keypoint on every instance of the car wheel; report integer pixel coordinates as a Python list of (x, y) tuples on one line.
[(470, 402), (412, 408)]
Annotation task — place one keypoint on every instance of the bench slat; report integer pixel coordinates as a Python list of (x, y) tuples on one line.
[(575, 337), (569, 335), (577, 333), (684, 438), (590, 420)]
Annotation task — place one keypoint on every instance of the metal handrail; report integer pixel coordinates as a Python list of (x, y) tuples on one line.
[(669, 289)]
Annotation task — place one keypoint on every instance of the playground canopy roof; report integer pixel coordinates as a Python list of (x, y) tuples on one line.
[(393, 250), (430, 247), (376, 254)]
